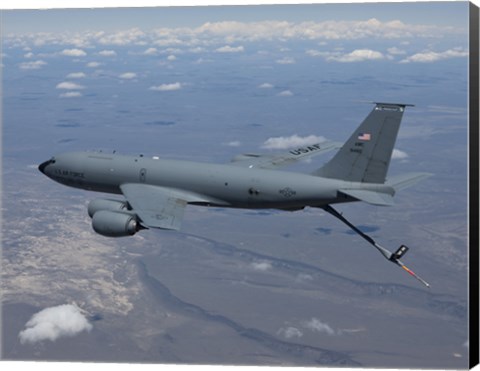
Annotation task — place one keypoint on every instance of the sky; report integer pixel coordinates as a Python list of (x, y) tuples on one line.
[(207, 84), (111, 19)]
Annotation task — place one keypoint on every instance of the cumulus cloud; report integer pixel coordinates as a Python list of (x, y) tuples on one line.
[(318, 326), (71, 94), (316, 53), (285, 93), (76, 75), (67, 85), (358, 55), (292, 141), (290, 332), (230, 49), (108, 53), (326, 30), (399, 155), (266, 85), (262, 266), (128, 75), (303, 277), (122, 37), (171, 58), (36, 65), (430, 57), (93, 64), (167, 87), (234, 32), (73, 53), (396, 51), (235, 143), (150, 51), (286, 60), (53, 323)]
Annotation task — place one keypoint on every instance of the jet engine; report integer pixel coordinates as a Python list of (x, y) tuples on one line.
[(114, 224), (106, 204), (113, 218)]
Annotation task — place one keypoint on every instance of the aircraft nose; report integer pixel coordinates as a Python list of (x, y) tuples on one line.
[(44, 165)]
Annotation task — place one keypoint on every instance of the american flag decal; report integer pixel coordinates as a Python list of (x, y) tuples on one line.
[(364, 136)]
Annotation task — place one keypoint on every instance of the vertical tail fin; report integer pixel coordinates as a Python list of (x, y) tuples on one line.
[(365, 156)]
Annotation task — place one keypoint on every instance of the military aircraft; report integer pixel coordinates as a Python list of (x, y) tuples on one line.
[(157, 191)]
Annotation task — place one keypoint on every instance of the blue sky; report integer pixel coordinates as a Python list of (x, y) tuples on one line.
[(21, 21)]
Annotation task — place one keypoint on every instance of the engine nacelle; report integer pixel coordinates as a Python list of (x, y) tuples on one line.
[(114, 224), (106, 204)]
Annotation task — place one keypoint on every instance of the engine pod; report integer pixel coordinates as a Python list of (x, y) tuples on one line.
[(114, 224), (106, 204)]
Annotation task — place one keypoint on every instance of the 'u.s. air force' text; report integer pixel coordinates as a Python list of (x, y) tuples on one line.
[(304, 150)]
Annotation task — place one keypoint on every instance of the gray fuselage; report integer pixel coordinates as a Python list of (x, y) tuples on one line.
[(214, 184)]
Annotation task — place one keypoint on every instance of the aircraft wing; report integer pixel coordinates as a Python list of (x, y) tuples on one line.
[(267, 161), (159, 207)]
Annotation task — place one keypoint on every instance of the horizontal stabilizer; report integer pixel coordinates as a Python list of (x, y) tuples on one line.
[(402, 181), (274, 161), (370, 197)]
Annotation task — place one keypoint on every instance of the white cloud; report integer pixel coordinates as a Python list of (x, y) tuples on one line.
[(197, 49), (290, 332), (123, 37), (230, 49), (430, 57), (28, 55), (128, 75), (93, 64), (291, 142), (326, 30), (232, 32), (399, 155), (316, 53), (262, 266), (318, 326), (71, 94), (32, 65), (167, 87), (69, 86), (358, 55), (76, 75), (171, 58), (108, 53), (151, 51), (285, 93), (235, 143), (266, 85), (73, 53), (396, 51), (286, 60), (202, 61), (53, 323)]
